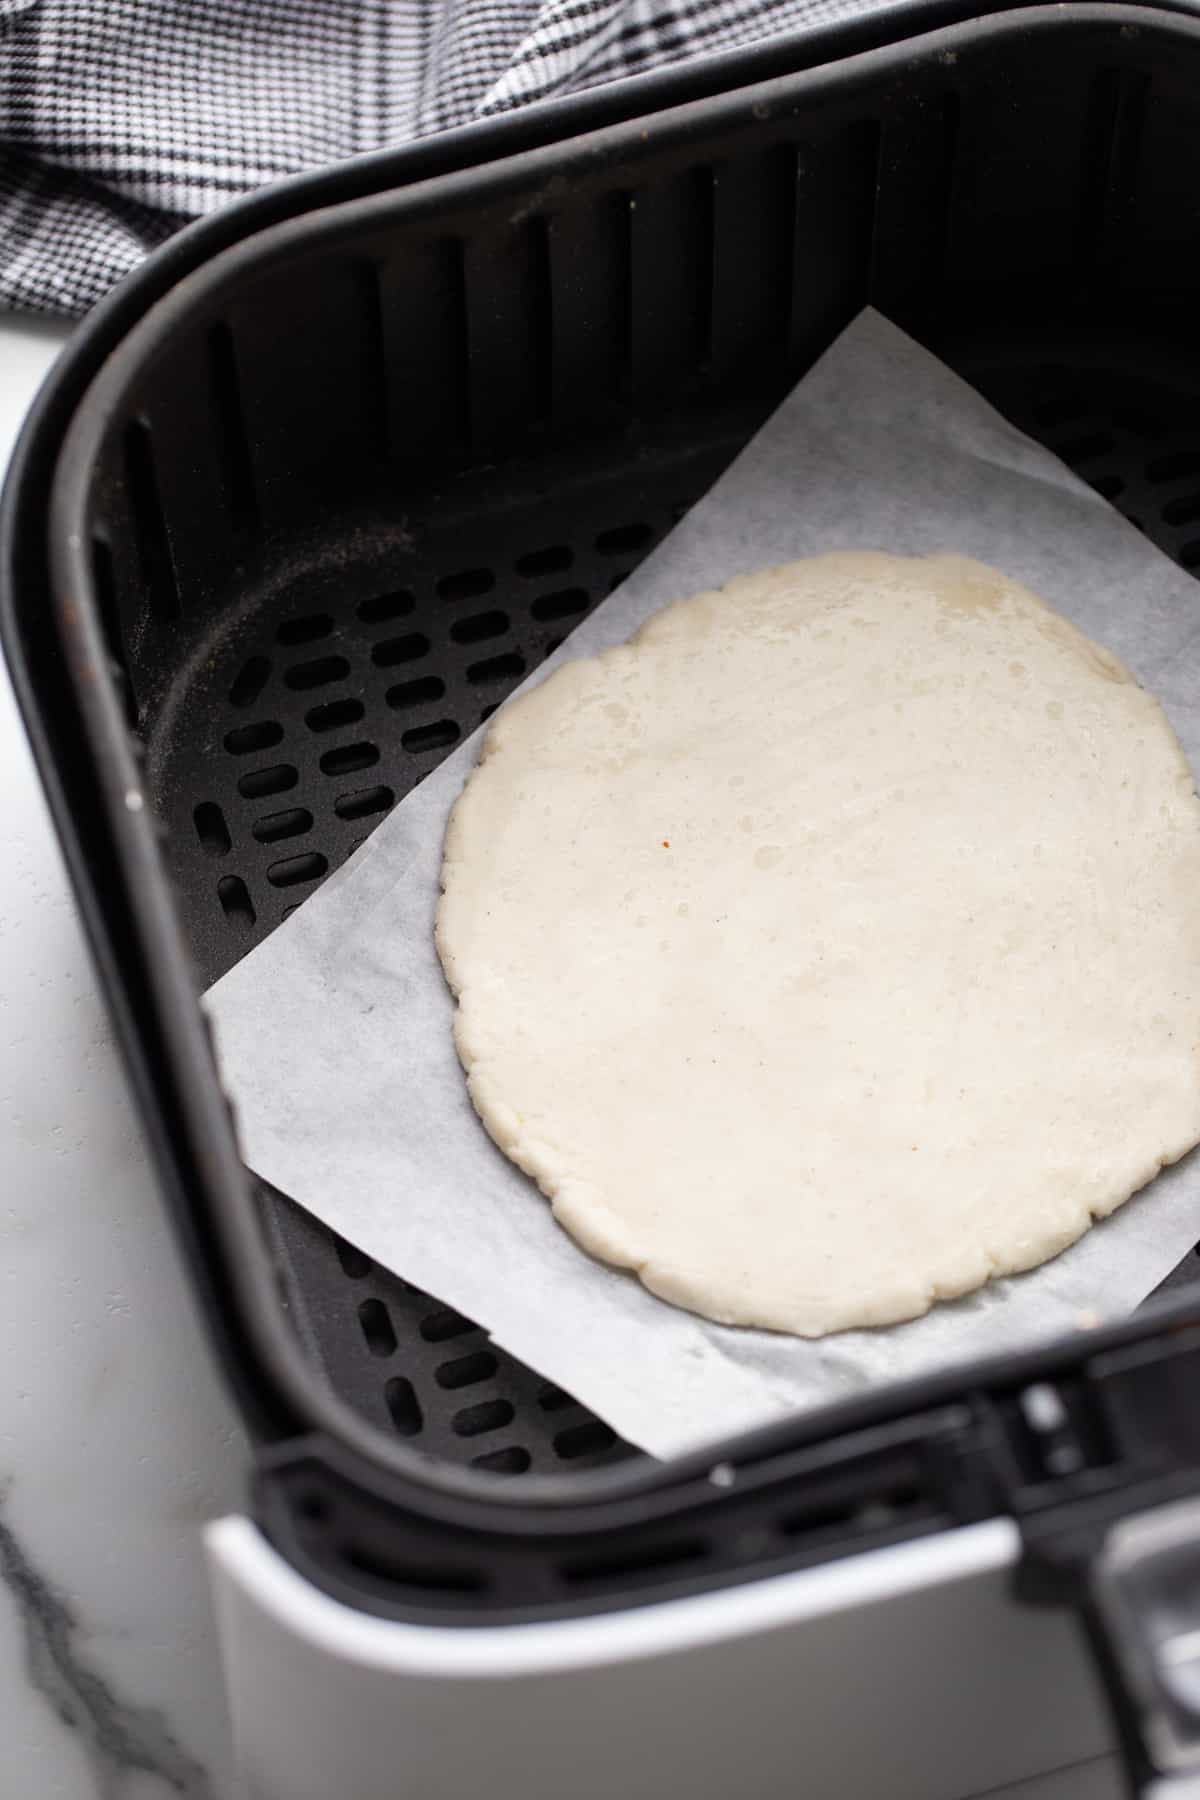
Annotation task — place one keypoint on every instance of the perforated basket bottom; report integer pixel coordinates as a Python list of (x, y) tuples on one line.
[(328, 694)]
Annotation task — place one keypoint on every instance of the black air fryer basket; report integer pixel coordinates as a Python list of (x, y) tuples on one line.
[(327, 477)]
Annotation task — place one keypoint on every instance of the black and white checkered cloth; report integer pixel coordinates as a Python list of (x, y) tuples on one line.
[(122, 119)]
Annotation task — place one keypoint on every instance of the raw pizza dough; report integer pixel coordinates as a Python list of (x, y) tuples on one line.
[(834, 944)]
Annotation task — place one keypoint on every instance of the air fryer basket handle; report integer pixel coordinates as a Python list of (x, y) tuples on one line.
[(1140, 1601)]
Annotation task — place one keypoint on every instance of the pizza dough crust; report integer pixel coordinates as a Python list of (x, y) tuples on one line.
[(833, 945)]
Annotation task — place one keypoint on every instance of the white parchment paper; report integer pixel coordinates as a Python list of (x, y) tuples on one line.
[(335, 1033)]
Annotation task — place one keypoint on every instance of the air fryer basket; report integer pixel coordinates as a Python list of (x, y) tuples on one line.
[(371, 449)]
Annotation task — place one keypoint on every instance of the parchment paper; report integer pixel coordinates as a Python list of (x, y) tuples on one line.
[(335, 1033)]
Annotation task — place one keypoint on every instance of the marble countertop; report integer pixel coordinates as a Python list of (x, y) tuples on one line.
[(116, 1442)]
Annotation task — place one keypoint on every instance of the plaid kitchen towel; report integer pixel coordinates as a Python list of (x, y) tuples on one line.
[(122, 119)]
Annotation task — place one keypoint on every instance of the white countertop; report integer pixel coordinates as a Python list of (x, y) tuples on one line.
[(115, 1439)]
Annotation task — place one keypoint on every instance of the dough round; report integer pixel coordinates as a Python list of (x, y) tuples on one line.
[(834, 944)]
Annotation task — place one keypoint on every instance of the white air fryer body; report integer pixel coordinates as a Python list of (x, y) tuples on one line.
[(908, 1673)]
